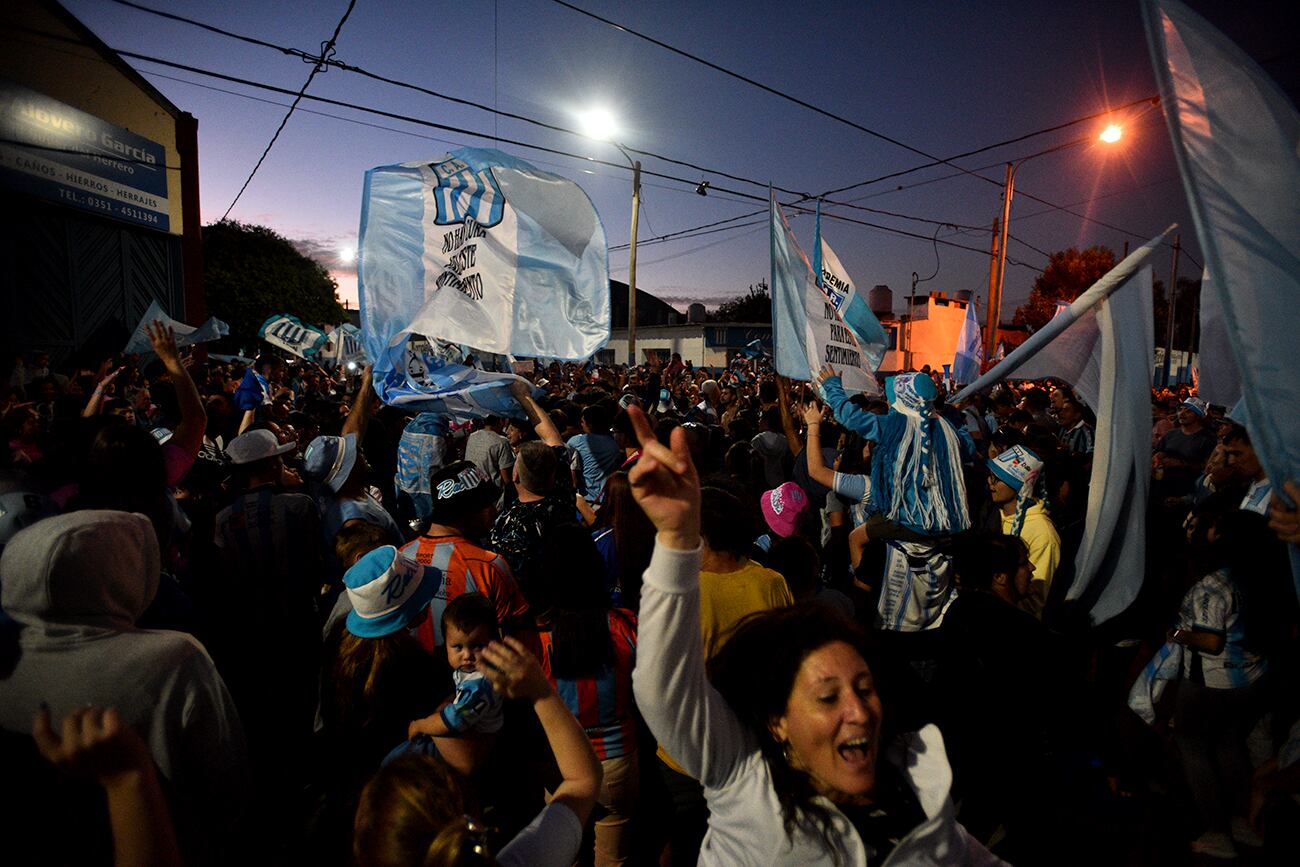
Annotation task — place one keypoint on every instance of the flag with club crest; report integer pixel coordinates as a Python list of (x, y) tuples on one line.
[(477, 247)]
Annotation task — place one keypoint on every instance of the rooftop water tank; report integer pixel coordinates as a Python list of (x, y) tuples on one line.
[(881, 300)]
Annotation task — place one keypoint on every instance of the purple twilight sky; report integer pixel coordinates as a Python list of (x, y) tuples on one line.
[(944, 78)]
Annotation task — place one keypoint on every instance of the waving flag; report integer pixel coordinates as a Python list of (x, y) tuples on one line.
[(425, 376), (481, 248), (969, 357), (344, 346), (1102, 344), (1234, 135), (807, 331), (186, 335), (292, 335), (836, 284)]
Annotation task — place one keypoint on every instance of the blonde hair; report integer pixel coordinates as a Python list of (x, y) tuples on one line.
[(413, 813)]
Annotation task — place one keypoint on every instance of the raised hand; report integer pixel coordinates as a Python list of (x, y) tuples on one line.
[(825, 373), (513, 671), (813, 413), (94, 743), (164, 344), (666, 485)]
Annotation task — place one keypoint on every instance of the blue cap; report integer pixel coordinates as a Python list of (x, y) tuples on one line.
[(388, 591), (329, 460)]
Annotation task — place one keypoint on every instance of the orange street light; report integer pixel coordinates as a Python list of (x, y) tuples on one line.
[(1111, 134)]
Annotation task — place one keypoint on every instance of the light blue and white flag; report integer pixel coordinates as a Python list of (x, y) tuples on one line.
[(186, 335), (969, 356), (344, 346), (425, 376), (807, 331), (480, 248), (1234, 135), (834, 281), (1102, 344), (291, 334)]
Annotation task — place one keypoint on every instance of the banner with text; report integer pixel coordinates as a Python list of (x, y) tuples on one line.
[(480, 248), (807, 331), (833, 279), (54, 151)]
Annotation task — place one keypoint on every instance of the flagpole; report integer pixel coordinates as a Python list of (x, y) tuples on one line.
[(1094, 294), (1169, 314)]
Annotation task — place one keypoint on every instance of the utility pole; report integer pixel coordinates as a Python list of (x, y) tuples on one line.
[(1173, 306), (991, 325), (631, 266), (995, 302)]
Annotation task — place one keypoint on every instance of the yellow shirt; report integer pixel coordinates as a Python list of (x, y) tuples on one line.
[(1040, 537), (726, 598)]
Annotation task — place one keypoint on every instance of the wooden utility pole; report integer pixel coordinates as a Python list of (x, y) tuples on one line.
[(631, 266), (991, 323), (995, 301)]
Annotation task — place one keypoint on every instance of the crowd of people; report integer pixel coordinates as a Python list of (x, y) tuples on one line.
[(661, 615)]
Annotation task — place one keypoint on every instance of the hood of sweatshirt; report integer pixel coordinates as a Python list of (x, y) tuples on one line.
[(90, 568)]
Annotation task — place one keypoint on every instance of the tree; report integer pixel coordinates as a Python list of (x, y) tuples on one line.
[(250, 272), (754, 306), (1068, 273)]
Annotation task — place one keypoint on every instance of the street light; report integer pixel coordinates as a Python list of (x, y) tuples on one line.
[(599, 124), (1110, 135)]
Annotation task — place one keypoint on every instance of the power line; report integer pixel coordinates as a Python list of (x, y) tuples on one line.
[(330, 61), (1152, 100), (302, 110), (327, 48), (476, 134), (358, 70)]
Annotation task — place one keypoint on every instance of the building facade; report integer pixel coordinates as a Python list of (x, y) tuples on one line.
[(99, 192)]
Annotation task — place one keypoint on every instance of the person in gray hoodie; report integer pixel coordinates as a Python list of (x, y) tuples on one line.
[(76, 584)]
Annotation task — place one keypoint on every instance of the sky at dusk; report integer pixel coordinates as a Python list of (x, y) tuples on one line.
[(941, 77)]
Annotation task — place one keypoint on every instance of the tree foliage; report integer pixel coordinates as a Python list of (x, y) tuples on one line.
[(250, 272), (1068, 273), (754, 306)]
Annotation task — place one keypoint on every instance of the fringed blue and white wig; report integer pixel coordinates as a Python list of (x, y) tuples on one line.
[(917, 464)]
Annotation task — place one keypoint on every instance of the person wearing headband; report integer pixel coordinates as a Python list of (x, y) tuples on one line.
[(1013, 476)]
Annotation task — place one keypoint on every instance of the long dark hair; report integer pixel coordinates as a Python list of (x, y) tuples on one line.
[(572, 587), (755, 672)]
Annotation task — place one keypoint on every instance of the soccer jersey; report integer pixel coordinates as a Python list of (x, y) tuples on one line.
[(465, 568), (476, 707), (1078, 440), (856, 488), (1214, 605), (603, 703), (1258, 497)]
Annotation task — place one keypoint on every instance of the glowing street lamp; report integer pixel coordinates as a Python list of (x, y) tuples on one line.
[(998, 265), (599, 124)]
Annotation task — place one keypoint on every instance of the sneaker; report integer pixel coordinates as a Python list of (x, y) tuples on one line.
[(1244, 834), (1214, 844)]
